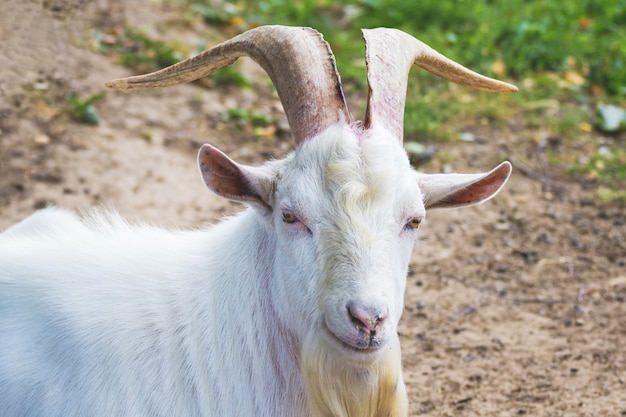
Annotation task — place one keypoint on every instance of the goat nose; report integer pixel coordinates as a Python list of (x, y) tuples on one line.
[(367, 318)]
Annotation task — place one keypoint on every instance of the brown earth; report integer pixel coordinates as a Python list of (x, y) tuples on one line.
[(513, 307)]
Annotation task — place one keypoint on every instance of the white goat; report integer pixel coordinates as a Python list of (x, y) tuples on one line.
[(287, 309)]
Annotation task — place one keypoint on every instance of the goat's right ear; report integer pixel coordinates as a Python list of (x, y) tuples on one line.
[(233, 181)]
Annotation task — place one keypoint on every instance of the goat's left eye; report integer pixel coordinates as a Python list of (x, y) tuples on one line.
[(289, 217), (414, 223)]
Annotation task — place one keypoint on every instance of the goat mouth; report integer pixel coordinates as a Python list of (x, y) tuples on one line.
[(371, 348)]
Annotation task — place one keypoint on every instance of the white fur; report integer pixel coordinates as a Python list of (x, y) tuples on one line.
[(247, 318)]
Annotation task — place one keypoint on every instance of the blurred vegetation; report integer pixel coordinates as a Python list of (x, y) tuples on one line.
[(135, 49), (83, 110), (569, 59), (513, 38)]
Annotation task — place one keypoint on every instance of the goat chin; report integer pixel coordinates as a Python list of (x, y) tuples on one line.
[(337, 387)]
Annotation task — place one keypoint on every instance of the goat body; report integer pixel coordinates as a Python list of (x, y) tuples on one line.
[(289, 308), (109, 319)]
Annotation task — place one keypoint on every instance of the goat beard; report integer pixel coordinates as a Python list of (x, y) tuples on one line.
[(337, 387)]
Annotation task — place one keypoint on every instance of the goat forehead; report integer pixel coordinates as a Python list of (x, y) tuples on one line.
[(353, 169), (353, 188)]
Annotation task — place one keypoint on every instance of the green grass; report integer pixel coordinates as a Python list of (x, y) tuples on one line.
[(607, 166), (246, 117), (83, 110)]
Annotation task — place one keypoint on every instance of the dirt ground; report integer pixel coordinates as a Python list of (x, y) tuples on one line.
[(514, 307)]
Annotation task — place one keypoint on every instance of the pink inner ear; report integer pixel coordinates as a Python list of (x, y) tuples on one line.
[(478, 191), (224, 176)]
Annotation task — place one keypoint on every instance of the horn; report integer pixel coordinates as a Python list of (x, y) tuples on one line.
[(298, 60), (389, 56)]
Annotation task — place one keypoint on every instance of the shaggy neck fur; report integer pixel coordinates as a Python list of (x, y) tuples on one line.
[(337, 388)]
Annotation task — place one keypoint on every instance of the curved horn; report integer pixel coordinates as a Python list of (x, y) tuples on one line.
[(298, 60), (389, 55)]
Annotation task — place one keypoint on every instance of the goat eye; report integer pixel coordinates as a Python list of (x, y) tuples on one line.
[(289, 217), (414, 223)]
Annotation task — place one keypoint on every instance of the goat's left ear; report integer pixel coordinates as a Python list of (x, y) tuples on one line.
[(234, 181), (458, 190)]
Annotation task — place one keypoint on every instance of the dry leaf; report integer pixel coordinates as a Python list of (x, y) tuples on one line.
[(575, 78), (498, 68)]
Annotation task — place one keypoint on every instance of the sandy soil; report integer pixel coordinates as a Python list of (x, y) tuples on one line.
[(513, 307)]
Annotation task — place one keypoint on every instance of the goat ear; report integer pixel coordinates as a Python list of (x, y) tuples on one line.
[(231, 180), (458, 190)]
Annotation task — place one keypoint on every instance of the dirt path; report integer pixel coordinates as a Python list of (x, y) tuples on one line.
[(513, 307)]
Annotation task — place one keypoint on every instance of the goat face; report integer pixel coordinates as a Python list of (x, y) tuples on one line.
[(344, 215)]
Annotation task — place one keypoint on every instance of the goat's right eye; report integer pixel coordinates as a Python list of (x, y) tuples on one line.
[(289, 217)]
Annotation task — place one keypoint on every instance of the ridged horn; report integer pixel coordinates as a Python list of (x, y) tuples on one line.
[(389, 56), (298, 60)]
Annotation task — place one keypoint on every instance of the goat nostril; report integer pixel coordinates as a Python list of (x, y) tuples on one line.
[(367, 318)]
